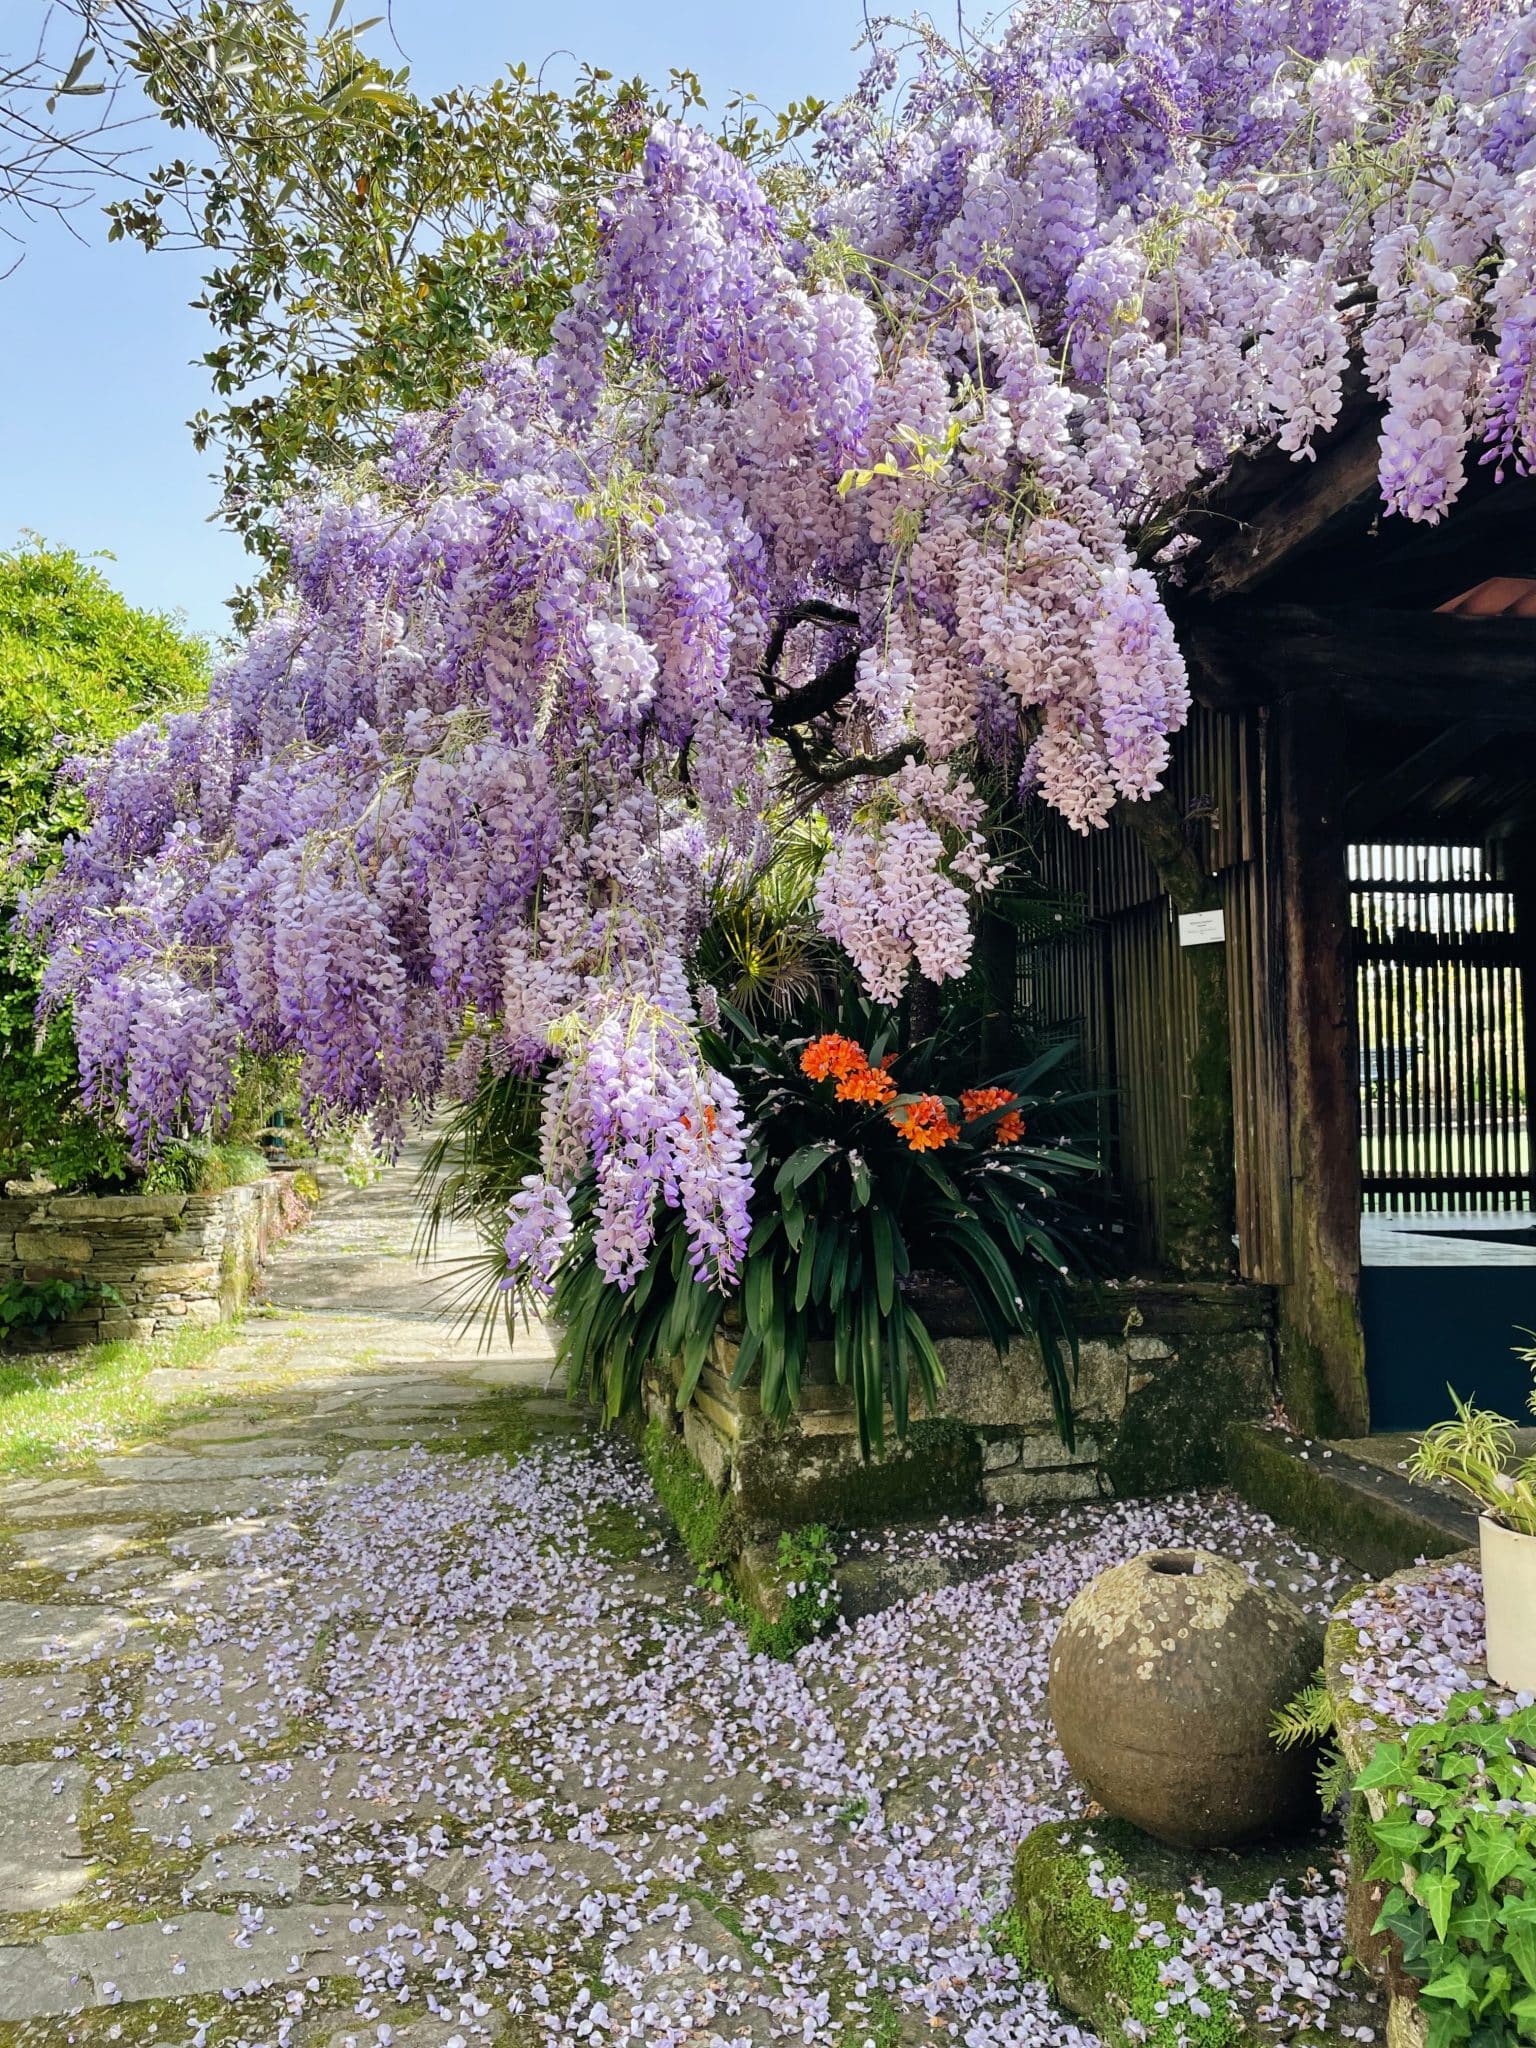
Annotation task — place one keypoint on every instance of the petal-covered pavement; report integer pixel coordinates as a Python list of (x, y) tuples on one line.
[(376, 1707)]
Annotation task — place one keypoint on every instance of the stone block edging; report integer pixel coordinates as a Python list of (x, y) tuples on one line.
[(1162, 1370)]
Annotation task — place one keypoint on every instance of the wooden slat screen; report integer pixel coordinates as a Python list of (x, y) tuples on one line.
[(1442, 1061), (1122, 985)]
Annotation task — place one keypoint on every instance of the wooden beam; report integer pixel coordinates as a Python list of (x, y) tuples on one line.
[(1375, 803), (1323, 489), (1402, 666)]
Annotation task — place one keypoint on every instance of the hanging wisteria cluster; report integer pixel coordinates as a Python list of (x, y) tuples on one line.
[(874, 488)]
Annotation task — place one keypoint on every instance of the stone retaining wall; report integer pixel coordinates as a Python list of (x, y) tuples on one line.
[(169, 1259), (1163, 1369)]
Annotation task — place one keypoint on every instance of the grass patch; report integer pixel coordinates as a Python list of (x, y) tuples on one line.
[(618, 1533), (65, 1408), (507, 1434), (879, 2027)]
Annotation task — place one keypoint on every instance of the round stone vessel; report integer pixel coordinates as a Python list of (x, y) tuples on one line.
[(1165, 1675)]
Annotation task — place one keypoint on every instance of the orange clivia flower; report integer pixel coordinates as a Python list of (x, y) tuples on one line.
[(833, 1058), (925, 1124), (977, 1102), (870, 1084)]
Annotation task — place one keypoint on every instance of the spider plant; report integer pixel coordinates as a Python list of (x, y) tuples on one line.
[(1476, 1452)]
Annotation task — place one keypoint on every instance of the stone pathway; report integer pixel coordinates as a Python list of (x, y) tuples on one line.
[(376, 1709), (128, 1602)]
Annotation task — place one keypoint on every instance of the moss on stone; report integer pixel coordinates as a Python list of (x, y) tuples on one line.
[(1380, 1524), (1171, 1435), (706, 1522), (505, 1431), (617, 1532), (1319, 1325), (787, 1595), (789, 1479), (1062, 1933), (878, 2026)]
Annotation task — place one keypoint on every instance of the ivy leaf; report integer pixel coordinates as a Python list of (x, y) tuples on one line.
[(1452, 1986), (1437, 1889)]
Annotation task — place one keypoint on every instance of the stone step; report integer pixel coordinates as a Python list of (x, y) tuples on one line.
[(1377, 1519)]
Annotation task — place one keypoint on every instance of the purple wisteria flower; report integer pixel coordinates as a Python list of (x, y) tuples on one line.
[(473, 778)]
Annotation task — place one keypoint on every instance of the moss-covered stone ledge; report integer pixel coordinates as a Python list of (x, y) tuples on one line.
[(1065, 1933), (151, 1263), (1376, 1520), (1162, 1370)]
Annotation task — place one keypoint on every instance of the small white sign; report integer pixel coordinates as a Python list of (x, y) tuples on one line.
[(1203, 928)]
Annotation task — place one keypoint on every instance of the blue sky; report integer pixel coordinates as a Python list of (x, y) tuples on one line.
[(96, 341)]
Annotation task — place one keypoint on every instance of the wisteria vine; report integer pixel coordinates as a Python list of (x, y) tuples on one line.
[(872, 483)]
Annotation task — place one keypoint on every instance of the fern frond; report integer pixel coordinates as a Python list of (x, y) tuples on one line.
[(1307, 1718), (1335, 1780)]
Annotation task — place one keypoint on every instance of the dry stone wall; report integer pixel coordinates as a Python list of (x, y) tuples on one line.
[(161, 1261)]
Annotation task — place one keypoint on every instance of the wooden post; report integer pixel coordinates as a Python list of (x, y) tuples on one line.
[(1520, 870), (1322, 1345), (997, 958)]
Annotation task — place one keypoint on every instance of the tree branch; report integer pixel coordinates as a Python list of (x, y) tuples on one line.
[(825, 691), (828, 772), (790, 713), (822, 694)]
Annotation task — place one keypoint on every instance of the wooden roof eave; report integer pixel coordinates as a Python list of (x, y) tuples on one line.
[(1374, 662), (1264, 543)]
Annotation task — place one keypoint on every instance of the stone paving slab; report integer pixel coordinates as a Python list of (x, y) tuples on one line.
[(165, 1498), (35, 1987), (74, 1549), (253, 1800), (261, 1463), (199, 1952), (130, 1579), (216, 1541), (40, 1705), (56, 1630), (42, 1862)]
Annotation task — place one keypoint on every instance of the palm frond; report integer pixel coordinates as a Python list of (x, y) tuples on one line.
[(478, 1158)]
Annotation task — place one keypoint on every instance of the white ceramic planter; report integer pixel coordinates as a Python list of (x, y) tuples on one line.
[(1509, 1596)]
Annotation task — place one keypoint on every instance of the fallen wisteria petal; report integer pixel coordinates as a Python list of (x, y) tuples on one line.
[(555, 1783)]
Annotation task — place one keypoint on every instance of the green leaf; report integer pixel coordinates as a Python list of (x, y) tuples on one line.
[(1384, 1772), (801, 1165), (1437, 1889), (883, 1242), (1452, 1984)]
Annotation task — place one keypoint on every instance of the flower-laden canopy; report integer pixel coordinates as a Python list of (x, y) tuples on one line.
[(872, 489)]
